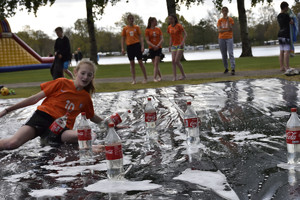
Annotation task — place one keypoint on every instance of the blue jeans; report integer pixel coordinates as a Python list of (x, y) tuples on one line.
[(227, 45)]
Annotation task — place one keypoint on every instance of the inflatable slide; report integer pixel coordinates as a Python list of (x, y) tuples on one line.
[(16, 55)]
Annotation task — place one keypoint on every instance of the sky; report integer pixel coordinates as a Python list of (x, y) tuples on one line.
[(64, 13)]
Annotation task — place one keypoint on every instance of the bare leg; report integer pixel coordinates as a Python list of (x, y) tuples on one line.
[(154, 70), (287, 59), (132, 69), (69, 136), (177, 59), (157, 60), (69, 73), (143, 70), (281, 60), (174, 65), (23, 135)]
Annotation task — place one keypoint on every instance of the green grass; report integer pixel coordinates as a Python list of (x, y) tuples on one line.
[(122, 70)]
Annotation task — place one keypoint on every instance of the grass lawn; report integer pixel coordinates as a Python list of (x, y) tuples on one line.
[(122, 70)]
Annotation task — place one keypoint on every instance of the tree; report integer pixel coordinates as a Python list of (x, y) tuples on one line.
[(93, 8), (138, 20)]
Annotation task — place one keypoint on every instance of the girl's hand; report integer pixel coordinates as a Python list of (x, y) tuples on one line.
[(98, 148)]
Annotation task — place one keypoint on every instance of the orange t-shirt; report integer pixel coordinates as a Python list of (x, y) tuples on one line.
[(62, 96), (131, 34), (154, 36), (176, 34), (224, 25)]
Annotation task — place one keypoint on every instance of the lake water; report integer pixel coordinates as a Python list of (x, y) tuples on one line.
[(242, 146), (201, 55)]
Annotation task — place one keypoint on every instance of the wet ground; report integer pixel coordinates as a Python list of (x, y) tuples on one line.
[(242, 142)]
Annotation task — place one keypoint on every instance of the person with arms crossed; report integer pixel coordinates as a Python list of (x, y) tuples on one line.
[(225, 25)]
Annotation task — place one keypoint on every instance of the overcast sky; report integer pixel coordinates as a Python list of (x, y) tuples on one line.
[(65, 12)]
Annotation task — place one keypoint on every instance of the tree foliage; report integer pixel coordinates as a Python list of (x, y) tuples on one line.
[(8, 8)]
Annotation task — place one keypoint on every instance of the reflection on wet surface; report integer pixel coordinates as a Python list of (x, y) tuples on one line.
[(242, 142)]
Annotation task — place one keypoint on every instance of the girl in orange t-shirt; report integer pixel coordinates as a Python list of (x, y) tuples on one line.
[(176, 45), (61, 96), (131, 34), (154, 39), (225, 25)]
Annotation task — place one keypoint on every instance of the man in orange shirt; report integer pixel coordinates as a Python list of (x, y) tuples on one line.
[(135, 46), (225, 25)]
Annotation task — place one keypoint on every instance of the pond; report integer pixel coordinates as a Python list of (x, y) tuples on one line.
[(257, 51), (242, 144)]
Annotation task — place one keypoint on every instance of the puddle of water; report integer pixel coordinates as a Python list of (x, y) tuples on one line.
[(242, 146)]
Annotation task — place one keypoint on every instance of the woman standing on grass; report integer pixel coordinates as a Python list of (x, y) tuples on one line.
[(154, 39), (177, 39), (135, 46), (61, 96)]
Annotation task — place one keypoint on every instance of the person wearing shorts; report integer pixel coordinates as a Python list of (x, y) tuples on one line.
[(177, 39), (131, 34), (284, 22), (154, 39), (60, 96), (63, 50)]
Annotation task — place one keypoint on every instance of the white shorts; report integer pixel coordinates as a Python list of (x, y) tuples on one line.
[(285, 47)]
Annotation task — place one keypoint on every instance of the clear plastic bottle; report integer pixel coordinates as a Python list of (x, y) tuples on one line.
[(84, 139), (150, 119), (293, 138), (117, 118), (191, 123), (59, 124), (114, 154)]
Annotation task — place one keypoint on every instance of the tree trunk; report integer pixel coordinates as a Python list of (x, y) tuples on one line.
[(171, 5), (246, 46), (91, 30)]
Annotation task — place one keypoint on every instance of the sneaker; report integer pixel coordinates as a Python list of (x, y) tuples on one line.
[(232, 72), (226, 70)]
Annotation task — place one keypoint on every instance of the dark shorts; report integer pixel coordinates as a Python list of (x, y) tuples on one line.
[(134, 50), (41, 122), (153, 53)]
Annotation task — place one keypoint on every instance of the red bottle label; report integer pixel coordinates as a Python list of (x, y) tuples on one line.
[(191, 122), (56, 128), (84, 134), (113, 152), (116, 119), (292, 137), (150, 117)]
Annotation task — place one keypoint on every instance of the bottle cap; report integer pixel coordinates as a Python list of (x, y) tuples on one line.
[(188, 103), (82, 113), (149, 99), (129, 111), (111, 125), (294, 110)]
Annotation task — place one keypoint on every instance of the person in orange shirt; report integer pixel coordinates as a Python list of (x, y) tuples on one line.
[(131, 34), (154, 39), (61, 96), (225, 25), (177, 39)]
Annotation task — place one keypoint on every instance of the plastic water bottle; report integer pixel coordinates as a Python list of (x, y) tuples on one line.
[(150, 119), (114, 154), (59, 124), (293, 138), (84, 139), (117, 118), (191, 123)]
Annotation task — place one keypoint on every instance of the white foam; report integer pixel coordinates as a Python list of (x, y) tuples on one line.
[(215, 181), (49, 192), (109, 186)]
